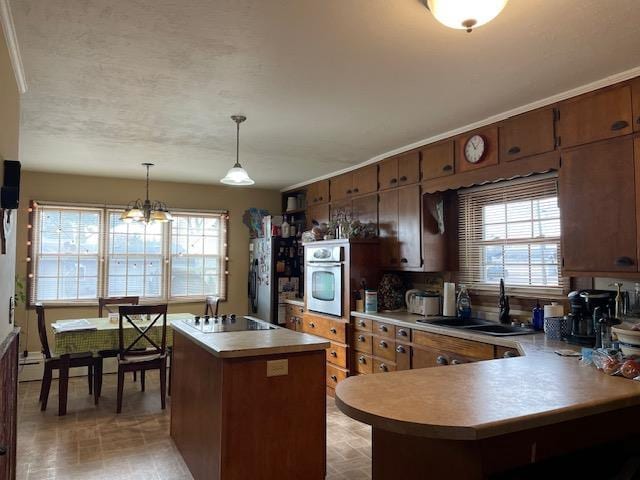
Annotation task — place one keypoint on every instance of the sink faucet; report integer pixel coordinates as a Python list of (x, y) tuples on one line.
[(503, 305)]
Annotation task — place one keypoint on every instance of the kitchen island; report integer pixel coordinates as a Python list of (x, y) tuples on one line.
[(475, 420), (249, 403)]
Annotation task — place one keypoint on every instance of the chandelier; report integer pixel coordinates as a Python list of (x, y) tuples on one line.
[(147, 211), (236, 174)]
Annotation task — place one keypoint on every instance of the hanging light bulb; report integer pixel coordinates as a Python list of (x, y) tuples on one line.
[(465, 14), (236, 174)]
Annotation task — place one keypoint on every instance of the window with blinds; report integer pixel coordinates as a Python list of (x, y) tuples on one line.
[(82, 253), (511, 230)]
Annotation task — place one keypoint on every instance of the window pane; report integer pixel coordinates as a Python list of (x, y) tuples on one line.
[(117, 266), (117, 286), (195, 245), (88, 267), (69, 287), (69, 241), (118, 243), (153, 244), (196, 226), (546, 208), (211, 245), (516, 254), (518, 230), (69, 266), (153, 286), (48, 266), (546, 228), (88, 287), (135, 243), (195, 265), (47, 288), (495, 232), (179, 244), (211, 226), (518, 211)]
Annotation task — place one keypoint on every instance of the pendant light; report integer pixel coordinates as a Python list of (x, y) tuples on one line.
[(465, 14), (147, 211), (236, 174)]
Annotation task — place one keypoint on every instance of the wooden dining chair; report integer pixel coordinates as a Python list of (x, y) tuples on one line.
[(104, 302), (133, 359), (211, 304), (53, 362)]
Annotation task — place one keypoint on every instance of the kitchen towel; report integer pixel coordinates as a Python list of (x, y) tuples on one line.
[(449, 304)]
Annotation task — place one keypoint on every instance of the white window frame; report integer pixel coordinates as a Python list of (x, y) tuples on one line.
[(104, 255)]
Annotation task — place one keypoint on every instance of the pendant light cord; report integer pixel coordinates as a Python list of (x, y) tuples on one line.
[(147, 181), (237, 144)]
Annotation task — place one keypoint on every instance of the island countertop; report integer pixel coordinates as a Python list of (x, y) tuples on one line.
[(484, 399), (252, 343)]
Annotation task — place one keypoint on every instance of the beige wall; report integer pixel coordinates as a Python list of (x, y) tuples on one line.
[(9, 125), (117, 191)]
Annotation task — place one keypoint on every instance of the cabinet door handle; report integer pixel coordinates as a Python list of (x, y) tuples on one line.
[(624, 262), (315, 199), (400, 349), (312, 325), (619, 125), (393, 181), (447, 168), (509, 354), (334, 378), (362, 360), (355, 190), (383, 328), (404, 260), (362, 323), (334, 354), (402, 332), (455, 362), (513, 150), (403, 178), (348, 192), (361, 338), (383, 344), (320, 199), (333, 330), (3, 451), (442, 360), (383, 367)]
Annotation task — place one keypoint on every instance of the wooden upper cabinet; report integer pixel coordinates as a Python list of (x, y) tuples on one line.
[(343, 206), (635, 97), (388, 228), (490, 157), (318, 192), (365, 208), (319, 213), (388, 173), (409, 168), (365, 180), (595, 116), (527, 134), (437, 160), (598, 207), (341, 186), (409, 234)]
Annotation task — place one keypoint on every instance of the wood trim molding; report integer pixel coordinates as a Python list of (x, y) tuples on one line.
[(574, 92), (6, 19)]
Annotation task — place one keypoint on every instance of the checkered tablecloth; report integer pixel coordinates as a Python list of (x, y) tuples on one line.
[(105, 337)]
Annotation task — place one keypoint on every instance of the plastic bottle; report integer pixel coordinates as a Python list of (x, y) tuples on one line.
[(463, 304), (537, 317), (285, 228)]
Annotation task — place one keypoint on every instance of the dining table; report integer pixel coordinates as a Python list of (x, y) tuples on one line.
[(101, 334)]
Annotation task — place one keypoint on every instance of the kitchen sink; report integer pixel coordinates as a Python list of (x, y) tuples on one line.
[(500, 330), (478, 325), (456, 322)]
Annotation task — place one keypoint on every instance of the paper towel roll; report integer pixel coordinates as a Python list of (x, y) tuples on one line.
[(449, 303), (553, 310)]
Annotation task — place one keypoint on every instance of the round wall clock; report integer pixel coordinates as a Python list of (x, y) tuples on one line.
[(475, 148)]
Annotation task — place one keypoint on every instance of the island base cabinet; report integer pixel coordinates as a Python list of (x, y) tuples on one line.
[(539, 452), (236, 419)]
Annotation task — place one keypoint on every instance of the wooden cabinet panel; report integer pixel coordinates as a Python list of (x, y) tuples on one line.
[(597, 201), (384, 329), (343, 206), (362, 342), (318, 192), (424, 357), (403, 356), (409, 168), (635, 97), (335, 330), (388, 173), (463, 348), (365, 180), (335, 375), (319, 213), (341, 186), (438, 160), (384, 348), (528, 134), (337, 354), (490, 135), (388, 228), (363, 324), (382, 366), (595, 116), (366, 208), (364, 363), (409, 231)]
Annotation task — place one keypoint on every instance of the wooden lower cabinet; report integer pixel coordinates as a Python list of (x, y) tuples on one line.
[(337, 354), (403, 356), (293, 317), (363, 363)]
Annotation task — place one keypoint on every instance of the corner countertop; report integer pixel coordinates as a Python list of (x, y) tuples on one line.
[(483, 399), (252, 343), (298, 302)]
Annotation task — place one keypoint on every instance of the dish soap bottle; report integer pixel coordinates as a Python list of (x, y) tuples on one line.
[(537, 317), (463, 304)]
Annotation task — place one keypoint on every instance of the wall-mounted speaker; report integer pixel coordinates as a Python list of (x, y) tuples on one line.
[(10, 192)]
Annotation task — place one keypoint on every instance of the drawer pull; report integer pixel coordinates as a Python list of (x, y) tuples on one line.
[(447, 168), (333, 330), (355, 190), (509, 354), (513, 150), (3, 451), (320, 198), (383, 344), (334, 378), (383, 367), (403, 333), (455, 362), (312, 325), (442, 360), (383, 328), (362, 323), (624, 262), (619, 125), (362, 360), (361, 338), (334, 354), (403, 179), (404, 260), (400, 349), (348, 192), (393, 181)]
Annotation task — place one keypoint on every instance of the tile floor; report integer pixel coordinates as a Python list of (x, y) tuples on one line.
[(93, 443)]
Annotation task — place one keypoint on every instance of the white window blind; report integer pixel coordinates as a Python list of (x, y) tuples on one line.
[(198, 255), (66, 254), (512, 231)]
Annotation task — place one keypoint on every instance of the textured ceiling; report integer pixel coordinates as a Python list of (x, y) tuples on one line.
[(325, 84)]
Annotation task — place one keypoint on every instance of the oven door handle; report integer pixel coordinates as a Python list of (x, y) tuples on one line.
[(324, 264)]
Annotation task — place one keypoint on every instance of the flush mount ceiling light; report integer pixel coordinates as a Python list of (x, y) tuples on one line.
[(236, 174), (465, 14), (147, 211)]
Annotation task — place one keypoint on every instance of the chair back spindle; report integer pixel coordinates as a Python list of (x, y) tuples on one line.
[(42, 331), (104, 302)]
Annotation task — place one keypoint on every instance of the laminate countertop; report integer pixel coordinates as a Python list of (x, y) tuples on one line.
[(252, 343), (483, 399)]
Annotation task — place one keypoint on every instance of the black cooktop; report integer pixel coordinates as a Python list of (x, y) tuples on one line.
[(225, 323)]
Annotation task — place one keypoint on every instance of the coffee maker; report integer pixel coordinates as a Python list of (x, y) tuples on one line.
[(583, 304)]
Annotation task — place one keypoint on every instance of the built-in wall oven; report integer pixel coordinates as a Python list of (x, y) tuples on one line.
[(324, 279)]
